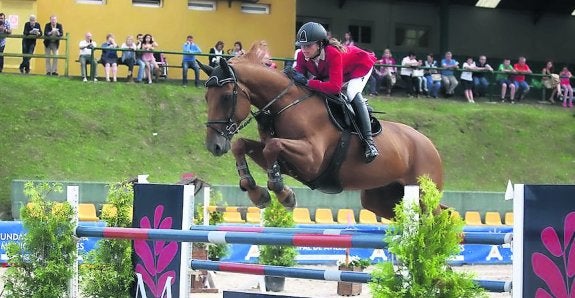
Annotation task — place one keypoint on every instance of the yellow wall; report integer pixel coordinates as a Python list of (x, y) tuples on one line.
[(169, 24)]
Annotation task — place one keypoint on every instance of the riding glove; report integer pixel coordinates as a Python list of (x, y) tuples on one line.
[(296, 76)]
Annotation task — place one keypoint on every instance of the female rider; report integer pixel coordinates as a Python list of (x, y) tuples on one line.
[(329, 64)]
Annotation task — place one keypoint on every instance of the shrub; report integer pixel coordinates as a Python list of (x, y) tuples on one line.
[(276, 215)]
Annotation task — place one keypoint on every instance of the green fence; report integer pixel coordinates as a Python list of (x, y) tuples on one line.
[(65, 56)]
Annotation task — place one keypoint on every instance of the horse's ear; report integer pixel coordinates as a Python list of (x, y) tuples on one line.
[(224, 66), (206, 68)]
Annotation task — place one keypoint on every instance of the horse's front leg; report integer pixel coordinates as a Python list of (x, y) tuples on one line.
[(297, 152), (258, 195)]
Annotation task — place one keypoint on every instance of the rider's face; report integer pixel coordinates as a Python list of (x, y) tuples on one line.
[(310, 50)]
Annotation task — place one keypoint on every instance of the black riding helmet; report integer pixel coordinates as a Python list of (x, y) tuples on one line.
[(309, 33)]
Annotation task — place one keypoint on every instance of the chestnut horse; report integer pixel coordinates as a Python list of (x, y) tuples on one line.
[(298, 138)]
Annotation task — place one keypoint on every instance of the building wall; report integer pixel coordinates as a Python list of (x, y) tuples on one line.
[(472, 31), (169, 24)]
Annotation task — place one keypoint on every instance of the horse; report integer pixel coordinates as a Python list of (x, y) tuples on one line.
[(298, 138)]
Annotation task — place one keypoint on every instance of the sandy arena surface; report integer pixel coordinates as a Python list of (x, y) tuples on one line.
[(317, 288)]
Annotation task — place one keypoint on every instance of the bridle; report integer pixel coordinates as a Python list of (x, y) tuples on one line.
[(231, 126)]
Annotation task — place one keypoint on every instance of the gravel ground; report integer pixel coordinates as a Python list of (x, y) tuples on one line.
[(317, 288)]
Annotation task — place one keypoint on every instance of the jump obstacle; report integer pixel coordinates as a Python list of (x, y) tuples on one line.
[(298, 237)]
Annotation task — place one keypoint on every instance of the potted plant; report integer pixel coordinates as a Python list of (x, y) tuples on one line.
[(275, 215), (354, 263)]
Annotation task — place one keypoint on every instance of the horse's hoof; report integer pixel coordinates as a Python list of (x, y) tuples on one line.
[(264, 200), (290, 202), (251, 184)]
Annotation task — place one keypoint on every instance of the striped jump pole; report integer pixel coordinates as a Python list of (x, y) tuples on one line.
[(220, 237), (468, 237), (317, 274)]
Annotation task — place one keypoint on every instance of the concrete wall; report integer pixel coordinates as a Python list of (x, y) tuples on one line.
[(472, 31), (169, 24)]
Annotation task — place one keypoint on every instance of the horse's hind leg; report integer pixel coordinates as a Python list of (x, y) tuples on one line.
[(381, 201), (258, 195)]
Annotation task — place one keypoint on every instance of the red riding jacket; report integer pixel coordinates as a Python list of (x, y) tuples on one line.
[(335, 67)]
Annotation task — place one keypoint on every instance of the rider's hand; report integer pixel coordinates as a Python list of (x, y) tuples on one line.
[(296, 76)]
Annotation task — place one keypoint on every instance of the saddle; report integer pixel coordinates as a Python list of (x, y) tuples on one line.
[(342, 115)]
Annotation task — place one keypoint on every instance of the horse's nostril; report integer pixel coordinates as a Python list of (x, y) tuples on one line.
[(217, 149)]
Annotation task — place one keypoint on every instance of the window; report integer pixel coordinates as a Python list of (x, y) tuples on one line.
[(255, 8), (360, 33), (91, 1), (147, 3), (202, 5), (412, 37)]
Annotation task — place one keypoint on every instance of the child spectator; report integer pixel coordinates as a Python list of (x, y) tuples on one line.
[(550, 81), (504, 79), (467, 78), (448, 74), (565, 77), (110, 57), (519, 80), (129, 56), (432, 76)]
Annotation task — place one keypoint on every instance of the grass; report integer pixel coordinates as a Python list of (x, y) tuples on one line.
[(64, 129)]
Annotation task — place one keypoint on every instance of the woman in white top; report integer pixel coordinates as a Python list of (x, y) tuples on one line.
[(408, 63), (467, 78), (216, 53), (129, 56)]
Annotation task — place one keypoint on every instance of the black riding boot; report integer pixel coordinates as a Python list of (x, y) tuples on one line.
[(360, 109)]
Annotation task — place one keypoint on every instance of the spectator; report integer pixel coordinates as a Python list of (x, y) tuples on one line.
[(139, 61), (467, 78), (480, 82), (419, 81), (86, 47), (551, 81), (129, 56), (448, 75), (348, 39), (238, 49), (388, 73), (190, 61), (432, 76), (5, 28), (565, 77), (519, 80), (31, 31), (216, 53), (505, 80), (110, 57), (148, 46), (52, 32), (407, 65)]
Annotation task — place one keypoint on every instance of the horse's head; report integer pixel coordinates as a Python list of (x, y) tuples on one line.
[(227, 107)]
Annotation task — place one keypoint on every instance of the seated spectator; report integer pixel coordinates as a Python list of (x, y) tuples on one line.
[(448, 75), (432, 76), (565, 77), (148, 46), (216, 53), (519, 80), (110, 57), (408, 63), (189, 61), (139, 61), (238, 49), (467, 78), (419, 81), (86, 47), (505, 80), (129, 56), (480, 82), (550, 81), (386, 74)]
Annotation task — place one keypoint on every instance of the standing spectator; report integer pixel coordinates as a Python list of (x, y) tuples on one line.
[(407, 65), (216, 53), (238, 49), (148, 46), (551, 81), (5, 28), (129, 56), (565, 75), (480, 82), (86, 47), (139, 61), (448, 75), (467, 78), (505, 80), (110, 57), (348, 39), (53, 31), (31, 31), (519, 80), (432, 76), (190, 61)]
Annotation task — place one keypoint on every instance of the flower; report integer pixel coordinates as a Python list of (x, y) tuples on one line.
[(354, 261)]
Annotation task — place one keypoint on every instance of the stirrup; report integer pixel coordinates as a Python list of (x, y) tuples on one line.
[(370, 153)]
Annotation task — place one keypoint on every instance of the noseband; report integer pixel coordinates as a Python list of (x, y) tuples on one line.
[(231, 126)]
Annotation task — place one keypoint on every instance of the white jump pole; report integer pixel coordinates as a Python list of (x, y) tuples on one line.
[(72, 196)]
